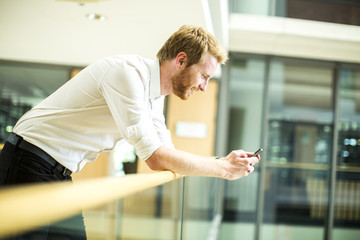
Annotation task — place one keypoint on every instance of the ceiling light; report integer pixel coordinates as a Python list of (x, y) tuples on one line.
[(95, 16)]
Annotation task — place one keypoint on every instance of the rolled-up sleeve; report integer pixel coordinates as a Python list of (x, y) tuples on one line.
[(124, 93)]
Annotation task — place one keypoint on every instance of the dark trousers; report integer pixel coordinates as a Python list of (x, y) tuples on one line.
[(18, 166)]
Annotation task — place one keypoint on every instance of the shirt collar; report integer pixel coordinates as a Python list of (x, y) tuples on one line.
[(155, 89)]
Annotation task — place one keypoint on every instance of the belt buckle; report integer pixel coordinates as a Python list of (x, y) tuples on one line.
[(14, 139), (65, 172)]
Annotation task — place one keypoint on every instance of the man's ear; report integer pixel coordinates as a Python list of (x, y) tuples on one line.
[(181, 59)]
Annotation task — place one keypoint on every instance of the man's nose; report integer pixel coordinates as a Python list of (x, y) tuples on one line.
[(203, 86)]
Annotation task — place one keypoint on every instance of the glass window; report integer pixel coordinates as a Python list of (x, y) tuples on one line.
[(298, 148), (259, 7), (347, 195), (22, 86), (334, 11), (343, 12)]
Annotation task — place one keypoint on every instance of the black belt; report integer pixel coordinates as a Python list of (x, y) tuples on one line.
[(18, 141)]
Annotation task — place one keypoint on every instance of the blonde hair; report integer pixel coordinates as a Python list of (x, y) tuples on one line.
[(195, 42)]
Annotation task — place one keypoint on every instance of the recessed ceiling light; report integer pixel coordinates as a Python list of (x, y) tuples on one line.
[(95, 16)]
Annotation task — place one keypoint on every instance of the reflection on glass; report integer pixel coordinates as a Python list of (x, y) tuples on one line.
[(295, 196), (299, 147), (300, 92), (347, 195), (299, 143)]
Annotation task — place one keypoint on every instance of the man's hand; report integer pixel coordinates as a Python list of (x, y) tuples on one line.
[(239, 164), (234, 166)]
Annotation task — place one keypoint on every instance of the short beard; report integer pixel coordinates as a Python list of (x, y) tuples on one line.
[(181, 84)]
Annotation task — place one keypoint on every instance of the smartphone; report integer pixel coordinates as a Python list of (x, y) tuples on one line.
[(257, 152)]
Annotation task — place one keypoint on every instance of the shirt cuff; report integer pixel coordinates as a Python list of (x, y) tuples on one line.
[(145, 148), (144, 138)]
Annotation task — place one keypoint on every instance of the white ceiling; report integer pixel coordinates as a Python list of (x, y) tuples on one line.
[(57, 31)]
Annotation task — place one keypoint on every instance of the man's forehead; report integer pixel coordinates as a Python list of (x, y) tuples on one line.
[(209, 65)]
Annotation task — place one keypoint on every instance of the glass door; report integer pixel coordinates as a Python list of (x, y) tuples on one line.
[(298, 150), (347, 188)]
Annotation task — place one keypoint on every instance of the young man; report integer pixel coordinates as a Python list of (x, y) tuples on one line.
[(188, 60), (116, 98)]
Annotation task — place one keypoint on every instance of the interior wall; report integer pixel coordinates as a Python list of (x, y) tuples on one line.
[(201, 108)]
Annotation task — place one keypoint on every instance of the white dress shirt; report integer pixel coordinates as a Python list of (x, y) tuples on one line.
[(112, 99)]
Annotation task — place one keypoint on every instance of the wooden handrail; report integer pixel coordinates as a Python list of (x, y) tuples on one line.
[(27, 207)]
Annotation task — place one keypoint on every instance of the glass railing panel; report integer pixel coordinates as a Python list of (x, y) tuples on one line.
[(154, 213), (68, 228), (202, 214)]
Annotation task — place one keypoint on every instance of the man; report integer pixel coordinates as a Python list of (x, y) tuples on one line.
[(115, 98)]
